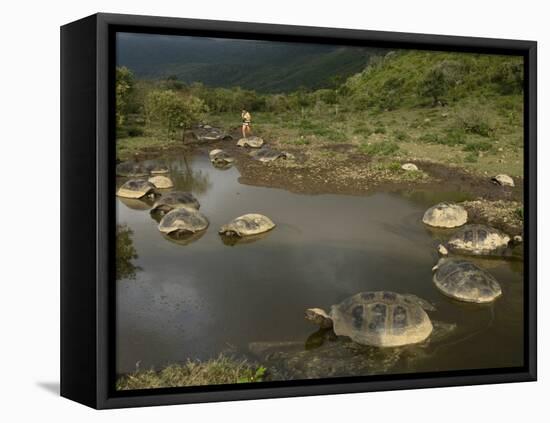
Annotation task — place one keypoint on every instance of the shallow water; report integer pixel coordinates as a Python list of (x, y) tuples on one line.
[(200, 299)]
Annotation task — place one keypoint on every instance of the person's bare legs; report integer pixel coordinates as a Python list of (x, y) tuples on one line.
[(248, 130), (243, 130)]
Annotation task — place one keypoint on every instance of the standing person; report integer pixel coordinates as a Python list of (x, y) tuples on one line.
[(247, 118)]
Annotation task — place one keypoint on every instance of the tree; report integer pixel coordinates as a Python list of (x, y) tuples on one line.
[(124, 88), (172, 110), (125, 253), (434, 85)]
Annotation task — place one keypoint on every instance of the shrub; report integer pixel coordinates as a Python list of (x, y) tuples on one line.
[(430, 138), (434, 85), (519, 212), (394, 166), (172, 110), (474, 120), (361, 128), (400, 135), (135, 131), (380, 149), (454, 137), (477, 146), (509, 77), (471, 158), (123, 88)]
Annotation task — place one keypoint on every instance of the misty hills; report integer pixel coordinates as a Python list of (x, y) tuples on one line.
[(264, 66)]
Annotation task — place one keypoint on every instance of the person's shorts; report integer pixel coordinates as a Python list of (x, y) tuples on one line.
[(246, 123)]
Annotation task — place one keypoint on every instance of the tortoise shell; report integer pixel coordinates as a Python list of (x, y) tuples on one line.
[(382, 319)]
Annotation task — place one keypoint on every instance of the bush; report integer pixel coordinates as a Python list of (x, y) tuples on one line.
[(395, 166), (135, 131), (361, 128), (172, 110), (509, 77), (400, 135), (519, 212), (477, 146), (430, 138), (474, 121), (380, 149), (454, 137), (124, 86), (471, 158), (434, 85)]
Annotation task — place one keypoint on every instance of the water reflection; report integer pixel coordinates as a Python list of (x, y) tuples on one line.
[(195, 296), (237, 240), (144, 203), (188, 179), (125, 253), (184, 238)]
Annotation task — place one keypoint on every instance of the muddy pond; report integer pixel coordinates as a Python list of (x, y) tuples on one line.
[(198, 299)]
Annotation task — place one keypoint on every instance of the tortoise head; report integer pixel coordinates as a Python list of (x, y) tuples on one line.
[(228, 230), (439, 263), (319, 317)]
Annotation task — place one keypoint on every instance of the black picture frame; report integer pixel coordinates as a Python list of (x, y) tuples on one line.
[(87, 210)]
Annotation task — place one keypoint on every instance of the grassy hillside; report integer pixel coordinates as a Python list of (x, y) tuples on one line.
[(452, 108), (416, 78)]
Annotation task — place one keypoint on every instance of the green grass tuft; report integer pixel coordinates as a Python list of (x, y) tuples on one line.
[(218, 371), (386, 148)]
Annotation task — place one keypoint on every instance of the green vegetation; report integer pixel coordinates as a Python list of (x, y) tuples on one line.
[(380, 148), (519, 213), (124, 87), (125, 253), (218, 371), (452, 108), (171, 110)]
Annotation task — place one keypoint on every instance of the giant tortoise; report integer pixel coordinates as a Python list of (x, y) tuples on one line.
[(381, 319)]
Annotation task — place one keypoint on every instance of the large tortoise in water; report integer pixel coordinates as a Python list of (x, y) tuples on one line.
[(137, 188), (464, 281), (220, 158), (246, 225), (445, 215), (161, 182), (380, 319), (479, 240), (175, 200), (182, 222)]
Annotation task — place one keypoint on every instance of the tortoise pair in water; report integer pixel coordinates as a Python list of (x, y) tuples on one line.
[(184, 221), (472, 239), (139, 188), (388, 319), (137, 170)]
